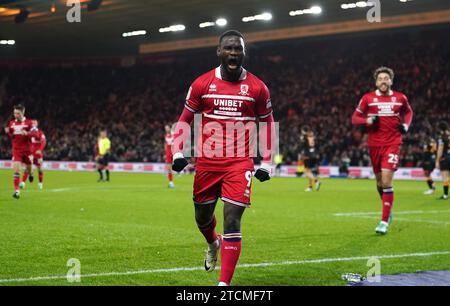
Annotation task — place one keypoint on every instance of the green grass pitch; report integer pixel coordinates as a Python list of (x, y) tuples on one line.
[(135, 223)]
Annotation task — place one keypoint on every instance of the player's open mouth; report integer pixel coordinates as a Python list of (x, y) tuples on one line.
[(233, 64)]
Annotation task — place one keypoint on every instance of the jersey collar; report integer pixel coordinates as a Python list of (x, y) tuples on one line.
[(243, 75), (378, 93)]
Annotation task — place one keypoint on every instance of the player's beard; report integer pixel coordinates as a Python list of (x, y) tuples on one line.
[(233, 66), (384, 89)]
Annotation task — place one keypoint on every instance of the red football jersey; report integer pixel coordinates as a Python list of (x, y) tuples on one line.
[(222, 103), (168, 142), (390, 109), (20, 142), (38, 141)]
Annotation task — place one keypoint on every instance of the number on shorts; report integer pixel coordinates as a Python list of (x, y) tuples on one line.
[(393, 159), (248, 177)]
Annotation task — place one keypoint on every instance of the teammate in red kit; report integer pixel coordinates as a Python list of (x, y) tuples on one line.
[(168, 142), (38, 143), (20, 129), (382, 111), (225, 95)]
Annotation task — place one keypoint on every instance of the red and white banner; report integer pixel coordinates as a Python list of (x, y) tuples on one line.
[(90, 166), (364, 172), (285, 171)]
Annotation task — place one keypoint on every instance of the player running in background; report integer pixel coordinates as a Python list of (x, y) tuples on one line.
[(224, 95), (168, 142), (443, 156), (382, 111), (20, 131), (310, 157), (428, 163), (38, 143), (103, 148)]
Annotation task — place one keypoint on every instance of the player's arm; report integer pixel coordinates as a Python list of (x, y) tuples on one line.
[(43, 142), (440, 152), (108, 147), (183, 126), (182, 133), (267, 134), (42, 145), (407, 117), (359, 116)]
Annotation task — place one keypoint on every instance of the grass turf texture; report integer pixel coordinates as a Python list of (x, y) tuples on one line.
[(135, 222)]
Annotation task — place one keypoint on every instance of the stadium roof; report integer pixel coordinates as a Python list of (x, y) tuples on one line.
[(47, 34)]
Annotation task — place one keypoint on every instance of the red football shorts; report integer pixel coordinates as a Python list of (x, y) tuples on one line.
[(384, 158), (38, 159), (23, 156), (232, 186)]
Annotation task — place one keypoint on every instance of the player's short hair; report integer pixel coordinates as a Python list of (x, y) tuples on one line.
[(231, 33), (306, 129), (443, 126), (383, 69), (19, 107)]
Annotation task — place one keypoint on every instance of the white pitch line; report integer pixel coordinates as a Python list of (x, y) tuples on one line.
[(257, 265), (411, 212), (407, 220)]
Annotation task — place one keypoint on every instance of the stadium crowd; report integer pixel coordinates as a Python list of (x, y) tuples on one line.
[(316, 82)]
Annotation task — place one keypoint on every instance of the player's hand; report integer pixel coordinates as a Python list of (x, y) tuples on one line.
[(38, 152), (372, 120), (403, 128), (263, 173), (7, 130), (179, 162)]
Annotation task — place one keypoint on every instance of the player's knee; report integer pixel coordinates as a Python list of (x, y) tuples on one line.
[(203, 218), (386, 185), (232, 223)]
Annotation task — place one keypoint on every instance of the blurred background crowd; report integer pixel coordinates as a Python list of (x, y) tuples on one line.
[(317, 82)]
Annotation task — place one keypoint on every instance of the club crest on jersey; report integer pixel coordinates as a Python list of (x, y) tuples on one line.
[(213, 87), (394, 99), (375, 100), (244, 90)]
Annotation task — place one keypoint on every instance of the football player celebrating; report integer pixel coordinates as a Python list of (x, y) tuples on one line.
[(382, 111), (20, 129), (38, 143), (228, 94)]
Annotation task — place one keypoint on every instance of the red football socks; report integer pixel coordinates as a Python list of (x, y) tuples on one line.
[(16, 181), (25, 176), (388, 201), (230, 251), (209, 231)]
